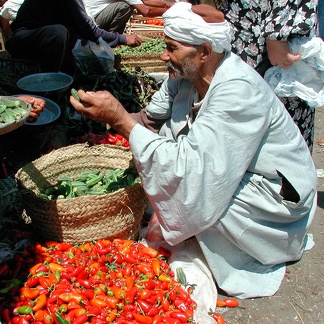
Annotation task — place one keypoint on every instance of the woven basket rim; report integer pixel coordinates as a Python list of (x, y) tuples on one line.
[(115, 214)]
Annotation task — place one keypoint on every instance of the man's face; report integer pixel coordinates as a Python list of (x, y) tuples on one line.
[(180, 59)]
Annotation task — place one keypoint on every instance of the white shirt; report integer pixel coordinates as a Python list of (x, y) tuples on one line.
[(10, 8), (94, 7), (219, 181)]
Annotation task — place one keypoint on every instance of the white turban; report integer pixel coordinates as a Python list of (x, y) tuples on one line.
[(183, 25)]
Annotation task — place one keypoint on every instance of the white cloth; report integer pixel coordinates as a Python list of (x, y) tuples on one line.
[(188, 256), (305, 77), (219, 181), (183, 25), (10, 8), (94, 7)]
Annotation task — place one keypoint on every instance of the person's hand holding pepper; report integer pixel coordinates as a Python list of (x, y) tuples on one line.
[(37, 104), (103, 107)]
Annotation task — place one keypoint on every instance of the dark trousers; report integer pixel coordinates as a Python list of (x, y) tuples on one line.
[(114, 17), (50, 46)]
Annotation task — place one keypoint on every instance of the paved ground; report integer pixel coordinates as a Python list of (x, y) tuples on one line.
[(300, 298)]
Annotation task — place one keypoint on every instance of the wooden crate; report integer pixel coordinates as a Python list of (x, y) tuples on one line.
[(148, 63), (138, 24)]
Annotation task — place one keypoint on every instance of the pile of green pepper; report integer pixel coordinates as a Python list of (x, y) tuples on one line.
[(90, 183)]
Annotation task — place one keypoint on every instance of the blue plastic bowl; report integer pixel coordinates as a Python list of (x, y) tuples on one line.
[(50, 114)]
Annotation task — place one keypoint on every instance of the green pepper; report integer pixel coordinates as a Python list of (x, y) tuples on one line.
[(60, 319), (181, 276), (25, 310)]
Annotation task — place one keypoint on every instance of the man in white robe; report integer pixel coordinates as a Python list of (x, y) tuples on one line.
[(219, 157)]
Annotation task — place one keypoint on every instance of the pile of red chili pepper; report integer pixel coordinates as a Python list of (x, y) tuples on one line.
[(118, 281), (108, 138)]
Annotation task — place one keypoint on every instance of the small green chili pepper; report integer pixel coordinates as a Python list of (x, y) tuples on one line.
[(74, 93), (25, 310), (60, 319), (181, 276)]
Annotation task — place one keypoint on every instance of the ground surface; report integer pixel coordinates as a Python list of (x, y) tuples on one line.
[(300, 298)]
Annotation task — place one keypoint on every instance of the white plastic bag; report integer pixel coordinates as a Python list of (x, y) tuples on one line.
[(304, 78), (91, 57)]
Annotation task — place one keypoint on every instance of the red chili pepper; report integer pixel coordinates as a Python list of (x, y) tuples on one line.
[(145, 306), (119, 292), (67, 297), (55, 267), (44, 282), (231, 302), (218, 318), (84, 283), (80, 319), (157, 319), (170, 320), (182, 317), (29, 293), (130, 295), (164, 252), (142, 319)]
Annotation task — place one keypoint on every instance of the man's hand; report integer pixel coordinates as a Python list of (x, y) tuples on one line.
[(37, 104), (103, 107), (133, 40), (279, 53)]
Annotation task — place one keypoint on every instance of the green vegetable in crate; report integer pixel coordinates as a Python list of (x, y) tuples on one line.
[(11, 110), (154, 46), (90, 183)]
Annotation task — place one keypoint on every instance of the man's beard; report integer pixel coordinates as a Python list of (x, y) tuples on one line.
[(186, 71), (177, 72)]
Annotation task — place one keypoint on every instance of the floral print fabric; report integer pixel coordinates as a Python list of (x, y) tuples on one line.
[(255, 21)]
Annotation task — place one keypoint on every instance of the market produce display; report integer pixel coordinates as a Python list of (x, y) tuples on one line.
[(153, 46), (11, 110), (90, 183), (119, 281)]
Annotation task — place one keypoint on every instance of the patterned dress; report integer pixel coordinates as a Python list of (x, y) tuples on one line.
[(255, 21)]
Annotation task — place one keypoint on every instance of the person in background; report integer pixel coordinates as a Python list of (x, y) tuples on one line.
[(46, 31), (8, 13), (219, 157), (261, 31), (113, 15)]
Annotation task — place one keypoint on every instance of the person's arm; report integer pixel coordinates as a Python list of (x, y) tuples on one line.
[(279, 27), (87, 29), (150, 123), (5, 28), (150, 11)]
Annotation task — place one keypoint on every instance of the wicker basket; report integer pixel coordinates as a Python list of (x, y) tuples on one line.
[(86, 218)]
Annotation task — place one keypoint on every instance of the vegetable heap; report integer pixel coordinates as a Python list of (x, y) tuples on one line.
[(118, 281), (154, 46), (90, 183), (11, 110), (106, 138)]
